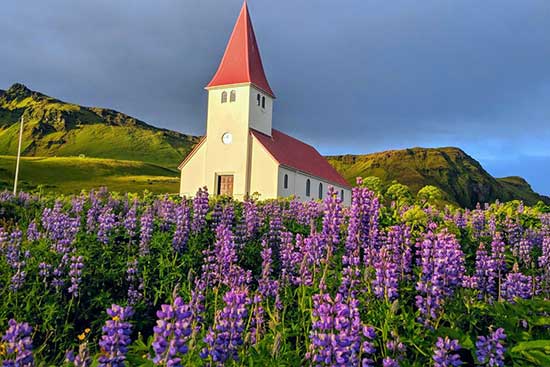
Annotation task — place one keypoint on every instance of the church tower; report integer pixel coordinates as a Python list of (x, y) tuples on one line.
[(241, 154), (239, 98)]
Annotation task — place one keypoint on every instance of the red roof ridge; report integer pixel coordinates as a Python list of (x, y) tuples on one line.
[(293, 153), (241, 62)]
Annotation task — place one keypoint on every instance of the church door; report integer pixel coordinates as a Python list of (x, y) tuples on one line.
[(225, 185)]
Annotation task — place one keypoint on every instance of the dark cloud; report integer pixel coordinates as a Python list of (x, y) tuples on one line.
[(352, 76)]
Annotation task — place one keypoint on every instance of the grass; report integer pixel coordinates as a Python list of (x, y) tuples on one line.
[(68, 175)]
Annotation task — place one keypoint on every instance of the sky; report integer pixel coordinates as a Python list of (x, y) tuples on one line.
[(351, 76)]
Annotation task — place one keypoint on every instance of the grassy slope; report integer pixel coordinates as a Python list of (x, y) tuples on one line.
[(71, 175), (460, 176), (55, 128)]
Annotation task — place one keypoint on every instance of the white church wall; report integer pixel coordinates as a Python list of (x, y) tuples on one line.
[(297, 186), (192, 173), (263, 172), (260, 117)]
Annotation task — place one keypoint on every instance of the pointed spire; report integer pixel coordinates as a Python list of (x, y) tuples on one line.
[(242, 62)]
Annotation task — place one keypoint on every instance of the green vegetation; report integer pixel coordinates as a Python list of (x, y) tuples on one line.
[(72, 174), (55, 128), (460, 178)]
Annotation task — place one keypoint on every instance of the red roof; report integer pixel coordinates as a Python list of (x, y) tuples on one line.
[(241, 62), (293, 153)]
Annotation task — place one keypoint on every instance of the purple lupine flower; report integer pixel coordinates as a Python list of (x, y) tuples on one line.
[(200, 209), (442, 263), (228, 215), (258, 320), (336, 334), (220, 265), (544, 263), (251, 218), (146, 231), (485, 273), (267, 287), (360, 216), (106, 223), (130, 221), (490, 349), (460, 219), (82, 359), (77, 204), (290, 259), (216, 215), (116, 337), (332, 219), (498, 253), (275, 228), (523, 251), (367, 346), (389, 362), (75, 273), (18, 345), (33, 234), (513, 231), (135, 282), (396, 349), (44, 271), (516, 285), (181, 235), (166, 210), (445, 353), (16, 260), (385, 283), (477, 221), (398, 245), (172, 332), (93, 212), (227, 336)]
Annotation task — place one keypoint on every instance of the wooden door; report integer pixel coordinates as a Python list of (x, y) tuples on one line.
[(225, 185)]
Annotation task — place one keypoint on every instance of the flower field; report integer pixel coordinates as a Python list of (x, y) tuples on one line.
[(101, 279)]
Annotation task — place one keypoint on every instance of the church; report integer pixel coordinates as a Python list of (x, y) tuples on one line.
[(241, 154)]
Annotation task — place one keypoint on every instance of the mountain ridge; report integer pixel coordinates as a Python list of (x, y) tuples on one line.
[(57, 128), (461, 178)]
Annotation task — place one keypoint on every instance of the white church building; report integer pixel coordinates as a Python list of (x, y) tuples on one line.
[(241, 154)]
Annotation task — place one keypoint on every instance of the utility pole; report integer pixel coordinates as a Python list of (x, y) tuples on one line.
[(18, 158)]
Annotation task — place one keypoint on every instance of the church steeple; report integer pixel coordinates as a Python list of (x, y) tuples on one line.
[(242, 62)]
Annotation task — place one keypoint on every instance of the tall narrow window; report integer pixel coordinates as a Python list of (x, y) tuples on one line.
[(259, 99), (233, 96), (285, 184), (342, 195), (320, 190), (263, 102), (308, 187), (224, 97)]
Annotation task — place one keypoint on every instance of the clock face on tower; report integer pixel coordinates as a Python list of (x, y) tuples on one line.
[(227, 138)]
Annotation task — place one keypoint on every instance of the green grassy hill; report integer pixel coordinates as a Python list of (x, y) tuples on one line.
[(71, 175), (56, 128), (462, 179)]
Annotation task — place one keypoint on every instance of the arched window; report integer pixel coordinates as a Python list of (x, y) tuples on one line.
[(259, 99), (263, 102), (320, 190), (224, 97), (285, 183), (308, 187), (342, 195), (233, 96)]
